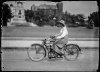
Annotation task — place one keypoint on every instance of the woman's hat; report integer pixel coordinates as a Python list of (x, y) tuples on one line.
[(62, 21)]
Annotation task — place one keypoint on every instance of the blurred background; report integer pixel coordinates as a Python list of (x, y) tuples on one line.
[(74, 13)]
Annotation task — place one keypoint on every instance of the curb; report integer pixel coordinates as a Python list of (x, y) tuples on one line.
[(25, 48), (38, 39), (27, 41)]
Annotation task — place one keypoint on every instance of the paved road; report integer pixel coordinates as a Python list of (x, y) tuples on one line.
[(17, 60)]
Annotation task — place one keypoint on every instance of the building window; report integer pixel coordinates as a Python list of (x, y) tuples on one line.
[(19, 12)]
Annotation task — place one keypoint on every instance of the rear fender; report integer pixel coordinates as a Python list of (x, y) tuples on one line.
[(75, 45)]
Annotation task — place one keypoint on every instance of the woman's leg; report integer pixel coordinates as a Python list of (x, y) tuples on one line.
[(55, 47)]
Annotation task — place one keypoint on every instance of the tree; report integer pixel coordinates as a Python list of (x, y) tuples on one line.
[(95, 17), (6, 14), (70, 19), (41, 17), (81, 18), (29, 15), (67, 17)]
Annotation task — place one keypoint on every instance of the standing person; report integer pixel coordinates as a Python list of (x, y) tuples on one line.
[(96, 29), (90, 24), (62, 37)]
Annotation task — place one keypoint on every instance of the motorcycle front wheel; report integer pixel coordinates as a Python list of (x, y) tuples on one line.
[(36, 52)]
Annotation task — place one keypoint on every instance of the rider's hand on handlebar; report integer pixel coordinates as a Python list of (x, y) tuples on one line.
[(52, 37)]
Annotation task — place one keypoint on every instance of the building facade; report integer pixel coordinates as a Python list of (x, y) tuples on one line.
[(18, 10), (50, 9), (18, 14)]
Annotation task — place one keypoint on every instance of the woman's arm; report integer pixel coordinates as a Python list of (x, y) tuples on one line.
[(58, 34)]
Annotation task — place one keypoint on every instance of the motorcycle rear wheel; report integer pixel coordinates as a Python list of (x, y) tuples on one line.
[(71, 52)]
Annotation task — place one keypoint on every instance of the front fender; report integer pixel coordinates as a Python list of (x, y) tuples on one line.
[(40, 46)]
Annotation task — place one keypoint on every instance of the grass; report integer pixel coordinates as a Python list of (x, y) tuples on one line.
[(77, 32)]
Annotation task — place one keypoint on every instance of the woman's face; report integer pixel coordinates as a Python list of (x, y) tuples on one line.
[(61, 26)]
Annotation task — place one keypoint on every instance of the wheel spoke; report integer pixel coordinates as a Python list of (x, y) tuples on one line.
[(36, 52), (71, 52)]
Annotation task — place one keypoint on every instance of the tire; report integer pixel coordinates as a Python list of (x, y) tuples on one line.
[(34, 51), (72, 50)]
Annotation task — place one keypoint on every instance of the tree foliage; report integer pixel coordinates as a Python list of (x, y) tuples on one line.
[(28, 15), (95, 17), (6, 14), (72, 19), (43, 17), (40, 17)]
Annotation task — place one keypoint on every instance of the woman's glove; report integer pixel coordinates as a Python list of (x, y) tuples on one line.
[(53, 37)]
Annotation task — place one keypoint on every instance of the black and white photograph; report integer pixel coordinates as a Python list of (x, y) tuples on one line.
[(50, 36)]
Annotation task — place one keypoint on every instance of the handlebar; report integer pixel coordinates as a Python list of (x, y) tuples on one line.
[(44, 40), (52, 41), (52, 37)]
